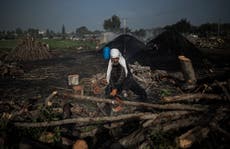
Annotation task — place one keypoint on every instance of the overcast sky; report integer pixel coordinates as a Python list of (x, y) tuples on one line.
[(52, 14)]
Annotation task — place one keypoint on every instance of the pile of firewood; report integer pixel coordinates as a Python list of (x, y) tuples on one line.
[(11, 69), (189, 115), (29, 49), (211, 43)]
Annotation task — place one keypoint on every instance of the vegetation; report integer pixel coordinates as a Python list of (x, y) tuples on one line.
[(8, 44), (207, 29), (81, 31), (112, 24), (53, 44)]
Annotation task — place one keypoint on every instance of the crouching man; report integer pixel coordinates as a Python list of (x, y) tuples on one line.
[(119, 77)]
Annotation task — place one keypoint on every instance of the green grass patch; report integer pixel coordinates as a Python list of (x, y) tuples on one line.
[(8, 44), (69, 44), (53, 44)]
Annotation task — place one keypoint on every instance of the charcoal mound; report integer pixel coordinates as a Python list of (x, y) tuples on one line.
[(162, 52), (127, 44)]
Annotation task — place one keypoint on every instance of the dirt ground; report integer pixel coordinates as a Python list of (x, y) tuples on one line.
[(41, 77)]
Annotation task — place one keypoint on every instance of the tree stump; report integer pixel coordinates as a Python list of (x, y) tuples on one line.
[(187, 70)]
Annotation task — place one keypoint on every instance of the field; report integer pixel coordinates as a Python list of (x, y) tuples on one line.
[(53, 44)]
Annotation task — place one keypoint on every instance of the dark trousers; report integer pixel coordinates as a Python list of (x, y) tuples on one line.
[(129, 84)]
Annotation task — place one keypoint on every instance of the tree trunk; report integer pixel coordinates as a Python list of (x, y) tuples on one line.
[(192, 97), (174, 106), (87, 120)]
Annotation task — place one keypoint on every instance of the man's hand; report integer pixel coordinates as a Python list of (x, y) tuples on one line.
[(114, 92)]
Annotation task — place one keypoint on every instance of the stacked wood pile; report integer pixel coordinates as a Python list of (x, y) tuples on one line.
[(11, 69), (211, 43), (188, 117), (29, 49)]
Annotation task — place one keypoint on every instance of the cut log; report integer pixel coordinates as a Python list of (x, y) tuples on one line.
[(187, 69), (80, 144), (175, 106), (192, 97), (196, 134)]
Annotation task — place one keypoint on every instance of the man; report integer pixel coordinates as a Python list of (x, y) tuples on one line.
[(119, 77)]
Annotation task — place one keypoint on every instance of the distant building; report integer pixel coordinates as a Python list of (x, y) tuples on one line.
[(41, 32)]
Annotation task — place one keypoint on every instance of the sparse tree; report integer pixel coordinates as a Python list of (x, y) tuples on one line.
[(112, 24), (182, 26), (81, 31), (63, 31), (33, 32)]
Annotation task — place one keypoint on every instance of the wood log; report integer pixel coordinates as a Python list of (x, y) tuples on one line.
[(187, 69), (174, 106), (198, 133), (165, 117), (193, 135), (181, 123), (192, 97), (87, 120)]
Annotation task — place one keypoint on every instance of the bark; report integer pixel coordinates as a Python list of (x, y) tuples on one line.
[(165, 116), (177, 124), (196, 97), (174, 106), (87, 120)]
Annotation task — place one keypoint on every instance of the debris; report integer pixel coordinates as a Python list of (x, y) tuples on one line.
[(10, 69)]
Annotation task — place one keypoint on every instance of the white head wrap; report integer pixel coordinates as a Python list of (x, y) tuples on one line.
[(115, 53)]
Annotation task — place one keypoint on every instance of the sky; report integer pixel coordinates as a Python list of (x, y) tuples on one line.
[(52, 14)]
